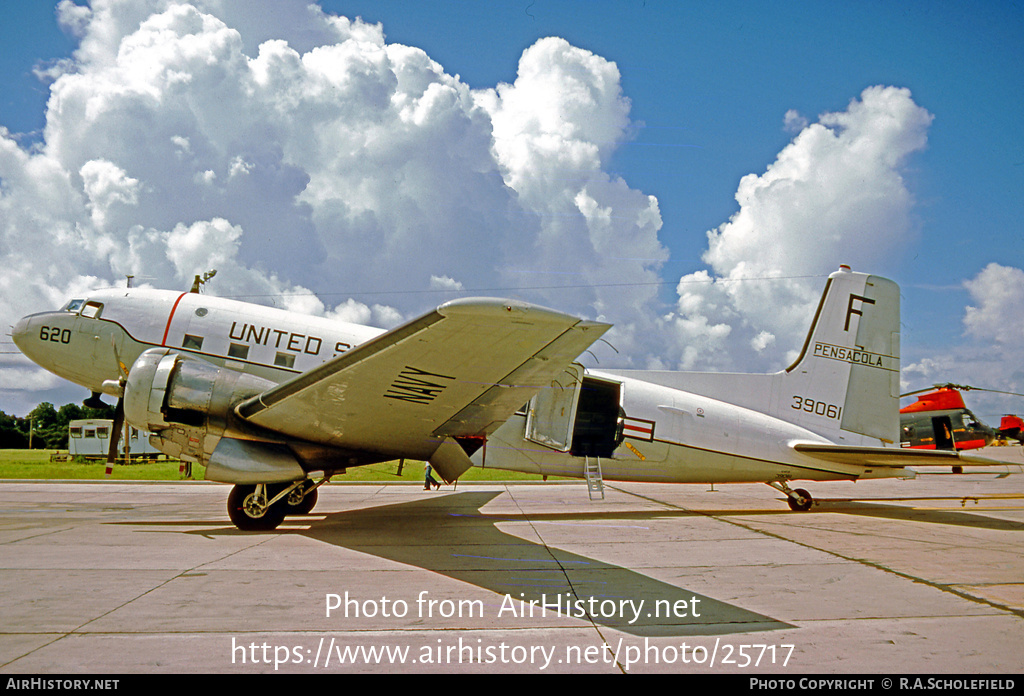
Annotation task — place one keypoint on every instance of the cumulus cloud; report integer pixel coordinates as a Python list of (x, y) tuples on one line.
[(998, 293), (989, 358), (835, 194), (794, 122), (993, 355), (293, 151), (72, 18)]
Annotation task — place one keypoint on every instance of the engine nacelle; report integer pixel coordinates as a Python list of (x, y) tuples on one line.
[(185, 403)]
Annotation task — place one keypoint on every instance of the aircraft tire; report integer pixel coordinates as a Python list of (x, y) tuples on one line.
[(796, 506), (305, 506), (242, 517)]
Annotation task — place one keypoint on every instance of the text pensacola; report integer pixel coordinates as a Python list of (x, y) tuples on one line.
[(868, 684), (556, 605)]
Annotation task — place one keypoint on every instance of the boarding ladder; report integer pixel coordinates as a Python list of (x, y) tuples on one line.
[(592, 472)]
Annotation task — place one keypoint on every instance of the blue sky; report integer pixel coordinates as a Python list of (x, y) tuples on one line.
[(709, 86)]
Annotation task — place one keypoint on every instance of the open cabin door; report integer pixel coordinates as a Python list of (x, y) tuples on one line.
[(578, 414), (943, 427), (598, 425), (550, 415)]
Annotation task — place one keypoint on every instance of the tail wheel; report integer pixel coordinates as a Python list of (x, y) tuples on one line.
[(248, 511), (800, 500)]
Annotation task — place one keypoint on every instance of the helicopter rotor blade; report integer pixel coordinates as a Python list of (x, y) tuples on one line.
[(959, 387)]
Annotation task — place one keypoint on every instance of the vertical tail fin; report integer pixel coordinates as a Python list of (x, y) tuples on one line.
[(847, 376)]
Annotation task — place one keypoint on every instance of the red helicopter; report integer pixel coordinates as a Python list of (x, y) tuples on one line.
[(1011, 427), (939, 419)]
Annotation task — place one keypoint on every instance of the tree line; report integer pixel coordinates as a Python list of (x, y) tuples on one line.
[(49, 425)]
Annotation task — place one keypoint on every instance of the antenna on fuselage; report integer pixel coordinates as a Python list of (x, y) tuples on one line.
[(202, 280)]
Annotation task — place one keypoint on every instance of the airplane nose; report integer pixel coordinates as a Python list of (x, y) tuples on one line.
[(20, 332)]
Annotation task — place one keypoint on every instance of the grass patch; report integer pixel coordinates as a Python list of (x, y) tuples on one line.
[(36, 464)]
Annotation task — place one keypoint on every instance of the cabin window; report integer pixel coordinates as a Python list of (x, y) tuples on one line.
[(102, 432), (73, 306), (238, 351), (92, 310), (192, 342), (284, 360), (89, 434), (76, 431)]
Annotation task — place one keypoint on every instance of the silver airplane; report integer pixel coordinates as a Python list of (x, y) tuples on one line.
[(276, 402)]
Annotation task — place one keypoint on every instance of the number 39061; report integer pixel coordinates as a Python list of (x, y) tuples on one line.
[(818, 408)]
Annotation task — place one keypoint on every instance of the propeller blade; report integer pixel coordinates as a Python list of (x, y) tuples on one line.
[(122, 368), (115, 436), (95, 401)]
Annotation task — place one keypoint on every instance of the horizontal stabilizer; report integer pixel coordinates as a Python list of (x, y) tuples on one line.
[(889, 456)]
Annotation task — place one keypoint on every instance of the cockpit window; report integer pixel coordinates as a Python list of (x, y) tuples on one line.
[(92, 310)]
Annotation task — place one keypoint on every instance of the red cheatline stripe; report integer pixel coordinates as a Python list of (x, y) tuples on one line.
[(167, 329)]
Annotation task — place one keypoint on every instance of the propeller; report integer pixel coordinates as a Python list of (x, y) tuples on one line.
[(116, 387), (115, 436)]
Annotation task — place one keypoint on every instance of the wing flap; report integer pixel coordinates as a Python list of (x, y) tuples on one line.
[(458, 371)]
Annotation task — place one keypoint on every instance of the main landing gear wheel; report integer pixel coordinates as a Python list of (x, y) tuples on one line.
[(298, 504), (248, 509), (800, 500)]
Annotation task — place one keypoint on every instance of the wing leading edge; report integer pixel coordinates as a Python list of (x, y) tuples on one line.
[(457, 372)]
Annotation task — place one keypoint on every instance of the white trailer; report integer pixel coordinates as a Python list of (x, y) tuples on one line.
[(90, 438)]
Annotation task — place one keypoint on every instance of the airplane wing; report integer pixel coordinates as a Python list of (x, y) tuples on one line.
[(457, 372), (890, 456)]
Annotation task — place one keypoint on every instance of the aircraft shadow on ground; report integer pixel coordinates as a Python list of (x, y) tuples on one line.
[(880, 509), (450, 536)]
